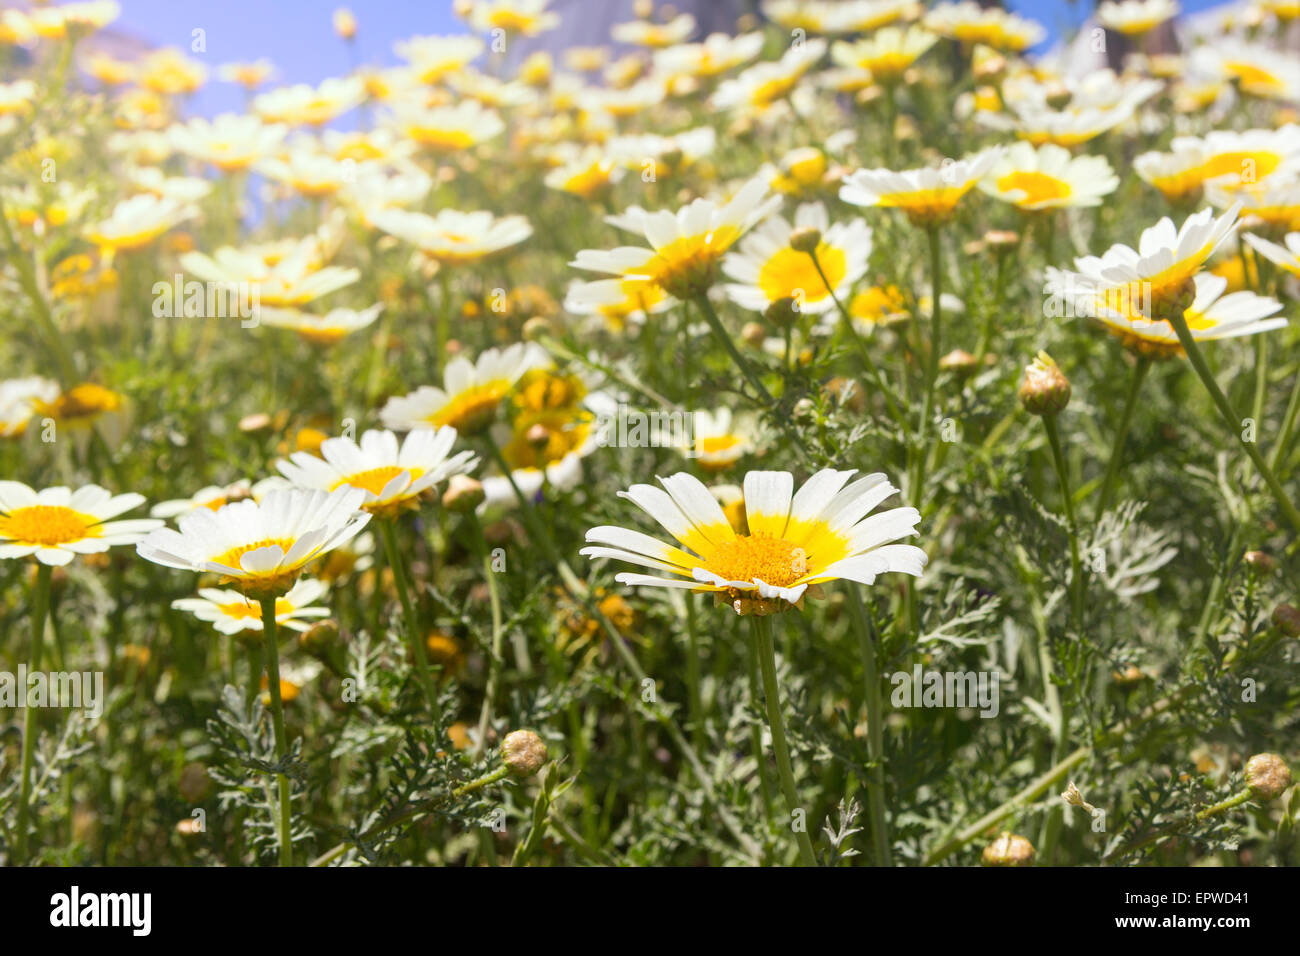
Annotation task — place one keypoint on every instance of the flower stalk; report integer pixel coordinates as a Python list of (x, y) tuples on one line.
[(269, 640)]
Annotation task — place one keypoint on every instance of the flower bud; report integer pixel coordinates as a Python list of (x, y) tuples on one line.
[(1286, 618), (317, 638), (782, 313), (195, 784), (536, 327), (523, 752), (1267, 775), (1259, 562), (805, 239), (959, 362), (1044, 390), (345, 24), (463, 494), (1009, 850), (753, 334)]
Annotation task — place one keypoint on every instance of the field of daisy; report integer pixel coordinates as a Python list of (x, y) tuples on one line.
[(857, 438)]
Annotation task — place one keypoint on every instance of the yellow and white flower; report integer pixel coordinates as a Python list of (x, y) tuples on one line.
[(885, 55), (792, 540), (656, 35), (296, 279), (718, 53), (1048, 177), (1285, 256), (765, 84), (766, 269), (525, 17), (304, 105), (1135, 17), (215, 496), (587, 175), (619, 302), (392, 475), (138, 221), (229, 612), (969, 23), (434, 57), (447, 128), (719, 439), (311, 173), (1227, 158), (249, 75), (54, 525), (927, 196), (686, 247), (19, 400), (262, 547), (16, 97), (1274, 202), (453, 236), (471, 394), (327, 329), (230, 141)]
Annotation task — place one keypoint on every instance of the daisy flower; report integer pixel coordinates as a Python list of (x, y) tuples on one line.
[(718, 53), (433, 57), (19, 400), (969, 23), (927, 196), (138, 221), (392, 475), (229, 142), (1259, 71), (16, 97), (216, 496), (792, 540), (619, 302), (170, 73), (452, 236), (327, 329), (1157, 276), (311, 173), (447, 129), (767, 269), (1274, 202), (229, 612), (655, 35), (586, 176), (56, 524), (263, 546), (1211, 316), (249, 75), (81, 405), (765, 84), (296, 279), (1286, 257), (686, 247), (525, 17), (885, 55), (720, 439), (304, 105), (1048, 177), (472, 392), (1135, 17)]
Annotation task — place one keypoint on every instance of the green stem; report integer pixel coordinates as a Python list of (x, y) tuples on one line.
[(1140, 370), (494, 661), (40, 608), (776, 724), (720, 333), (875, 726), (419, 652), (277, 722), (1076, 565), (1283, 443), (1231, 418)]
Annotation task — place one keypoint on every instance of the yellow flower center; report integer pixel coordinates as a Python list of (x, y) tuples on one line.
[(927, 207), (231, 558), (1247, 165), (375, 480), (686, 266), (447, 140), (1037, 187), (473, 408), (772, 560), (246, 610), (791, 273), (47, 525)]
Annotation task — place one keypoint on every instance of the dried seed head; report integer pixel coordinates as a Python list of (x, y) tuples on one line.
[(463, 494), (1267, 775), (1044, 390), (523, 752), (1072, 796), (1009, 849)]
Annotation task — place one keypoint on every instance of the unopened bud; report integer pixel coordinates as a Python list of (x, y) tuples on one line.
[(1259, 562), (1000, 239), (1286, 618), (1009, 850), (1044, 390), (805, 239), (463, 494), (523, 752), (959, 362), (319, 636), (1267, 775), (539, 436), (536, 327), (753, 334), (781, 313)]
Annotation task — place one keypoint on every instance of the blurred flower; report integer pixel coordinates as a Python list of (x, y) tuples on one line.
[(229, 612), (56, 524)]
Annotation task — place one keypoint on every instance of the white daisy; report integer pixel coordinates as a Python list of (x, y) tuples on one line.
[(453, 236), (1049, 177), (229, 612), (927, 196), (57, 524)]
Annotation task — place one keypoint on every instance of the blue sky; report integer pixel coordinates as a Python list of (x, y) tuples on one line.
[(298, 37)]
